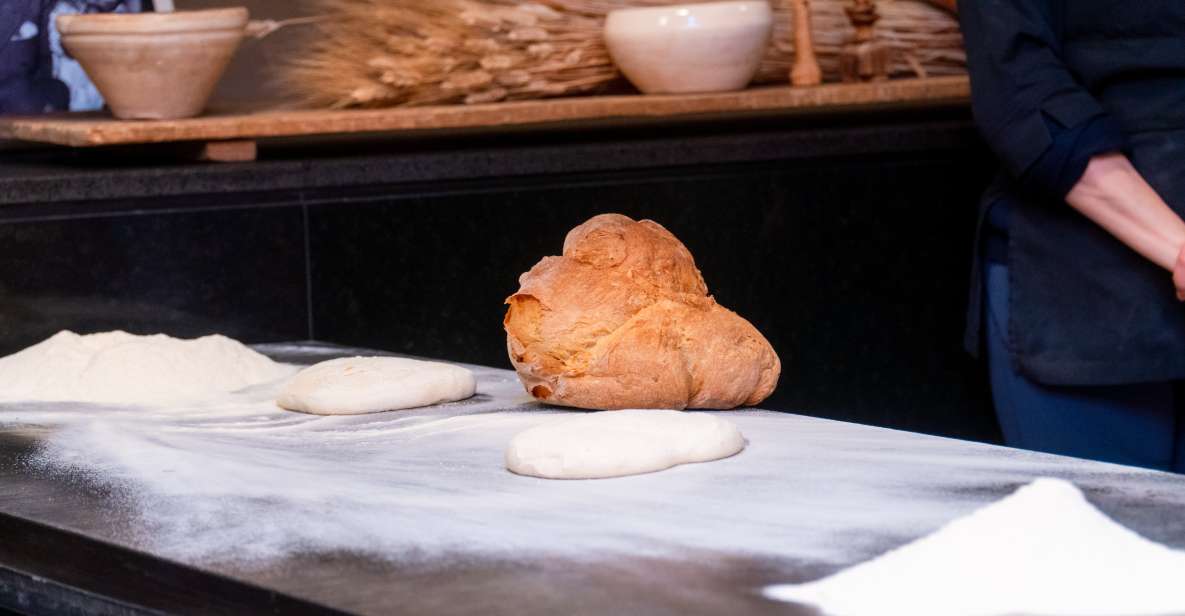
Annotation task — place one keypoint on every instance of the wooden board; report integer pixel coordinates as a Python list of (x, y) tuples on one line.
[(83, 130)]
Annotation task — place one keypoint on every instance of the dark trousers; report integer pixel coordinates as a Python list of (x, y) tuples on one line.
[(1139, 425)]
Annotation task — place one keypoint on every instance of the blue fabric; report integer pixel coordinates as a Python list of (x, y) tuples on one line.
[(28, 84), (1061, 165), (1138, 425), (995, 242)]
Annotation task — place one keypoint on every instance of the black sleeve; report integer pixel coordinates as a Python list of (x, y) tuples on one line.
[(1020, 87), (1062, 164)]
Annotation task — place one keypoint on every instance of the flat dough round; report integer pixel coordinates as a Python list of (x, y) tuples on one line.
[(356, 385), (619, 443)]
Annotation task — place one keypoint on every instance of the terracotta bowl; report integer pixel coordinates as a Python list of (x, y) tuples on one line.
[(155, 66), (711, 47)]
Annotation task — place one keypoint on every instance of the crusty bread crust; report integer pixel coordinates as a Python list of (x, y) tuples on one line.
[(624, 320)]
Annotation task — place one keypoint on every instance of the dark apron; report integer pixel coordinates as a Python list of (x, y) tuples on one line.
[(1086, 309)]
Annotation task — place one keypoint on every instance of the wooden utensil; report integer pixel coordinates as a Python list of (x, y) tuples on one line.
[(806, 71), (864, 58)]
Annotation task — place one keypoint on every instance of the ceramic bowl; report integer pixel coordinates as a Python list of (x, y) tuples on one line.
[(157, 66), (711, 47)]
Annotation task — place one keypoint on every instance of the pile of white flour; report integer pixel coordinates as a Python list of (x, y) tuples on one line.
[(1043, 550), (122, 368)]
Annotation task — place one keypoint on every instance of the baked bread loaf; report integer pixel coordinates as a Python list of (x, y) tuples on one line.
[(624, 320)]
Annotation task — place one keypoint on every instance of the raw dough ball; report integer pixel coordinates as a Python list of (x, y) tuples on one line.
[(619, 443), (623, 320), (355, 385), (121, 368)]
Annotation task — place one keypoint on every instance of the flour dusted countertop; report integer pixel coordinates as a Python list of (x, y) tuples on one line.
[(242, 507)]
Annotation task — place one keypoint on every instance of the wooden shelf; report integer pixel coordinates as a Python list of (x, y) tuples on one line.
[(91, 129)]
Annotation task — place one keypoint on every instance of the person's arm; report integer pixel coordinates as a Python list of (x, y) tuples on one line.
[(1032, 111), (1116, 197)]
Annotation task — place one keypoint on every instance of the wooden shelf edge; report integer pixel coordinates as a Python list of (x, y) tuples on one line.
[(88, 130)]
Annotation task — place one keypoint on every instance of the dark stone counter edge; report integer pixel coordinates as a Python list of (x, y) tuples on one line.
[(47, 570), (60, 176)]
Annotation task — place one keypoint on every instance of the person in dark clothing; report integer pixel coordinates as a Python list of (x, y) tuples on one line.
[(1076, 291), (27, 83), (35, 74)]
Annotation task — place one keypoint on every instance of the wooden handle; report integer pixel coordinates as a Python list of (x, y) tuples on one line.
[(805, 71)]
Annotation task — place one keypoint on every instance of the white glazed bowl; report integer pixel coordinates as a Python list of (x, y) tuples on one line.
[(712, 47)]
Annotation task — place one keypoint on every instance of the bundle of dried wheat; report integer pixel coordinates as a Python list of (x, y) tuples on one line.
[(379, 53)]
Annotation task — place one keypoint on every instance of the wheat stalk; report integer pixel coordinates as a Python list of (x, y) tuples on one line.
[(379, 53)]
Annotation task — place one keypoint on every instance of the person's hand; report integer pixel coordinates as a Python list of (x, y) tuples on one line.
[(1179, 274)]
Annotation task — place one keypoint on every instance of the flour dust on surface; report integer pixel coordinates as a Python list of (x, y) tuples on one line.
[(242, 481)]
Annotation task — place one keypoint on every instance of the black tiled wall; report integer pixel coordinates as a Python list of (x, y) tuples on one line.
[(240, 272), (855, 266), (856, 271)]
